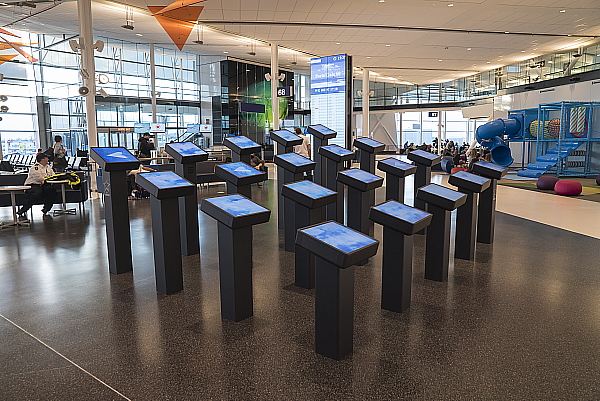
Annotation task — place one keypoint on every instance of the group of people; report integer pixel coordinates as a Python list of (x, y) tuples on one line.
[(461, 156)]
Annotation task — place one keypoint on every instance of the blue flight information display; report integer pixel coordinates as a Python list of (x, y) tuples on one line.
[(295, 159), (193, 128), (115, 155), (141, 128), (236, 205), (402, 211), (339, 237), (166, 180), (242, 142), (329, 83), (240, 169), (338, 150), (310, 189), (361, 175), (187, 149)]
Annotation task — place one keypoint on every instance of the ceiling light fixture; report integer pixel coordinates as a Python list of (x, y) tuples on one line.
[(440, 60), (226, 52), (368, 57), (562, 11), (450, 5), (382, 1), (387, 45), (468, 48), (338, 43), (199, 30), (139, 34), (128, 19)]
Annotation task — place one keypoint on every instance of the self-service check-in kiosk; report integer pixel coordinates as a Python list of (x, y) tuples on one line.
[(186, 155), (486, 220), (294, 166), (395, 173), (321, 136), (441, 202), (285, 141), (399, 223), (309, 198), (241, 148), (360, 183), (466, 215), (336, 248), (235, 215), (239, 176), (114, 163), (165, 187), (423, 160), (335, 156)]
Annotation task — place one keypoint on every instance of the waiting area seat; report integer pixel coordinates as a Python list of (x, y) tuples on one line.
[(72, 195)]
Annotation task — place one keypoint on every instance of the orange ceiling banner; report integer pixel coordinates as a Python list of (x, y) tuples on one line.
[(27, 56), (178, 23), (5, 58), (4, 31), (179, 4)]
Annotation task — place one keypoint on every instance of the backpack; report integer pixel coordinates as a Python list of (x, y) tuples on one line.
[(50, 153), (74, 180)]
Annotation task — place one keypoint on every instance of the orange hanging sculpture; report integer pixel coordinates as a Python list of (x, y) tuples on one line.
[(179, 21)]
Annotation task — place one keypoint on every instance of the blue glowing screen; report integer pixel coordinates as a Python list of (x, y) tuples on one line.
[(426, 155), (166, 179), (115, 155), (369, 142), (285, 135), (399, 164), (471, 177), (340, 237), (361, 175), (443, 192), (242, 141), (322, 129), (491, 166), (239, 169), (402, 211), (310, 189), (236, 205), (338, 150), (187, 149), (295, 159)]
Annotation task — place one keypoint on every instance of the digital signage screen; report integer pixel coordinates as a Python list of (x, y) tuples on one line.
[(141, 128), (166, 179), (329, 86), (193, 128), (236, 205), (115, 155)]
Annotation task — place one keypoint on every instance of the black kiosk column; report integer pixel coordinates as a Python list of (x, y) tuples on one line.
[(466, 215), (359, 183), (235, 216), (284, 143), (399, 223), (336, 248), (441, 201), (487, 200), (423, 160), (335, 156), (321, 136), (367, 149), (114, 163), (294, 166), (241, 148), (239, 176), (309, 198), (395, 172), (165, 188), (186, 155)]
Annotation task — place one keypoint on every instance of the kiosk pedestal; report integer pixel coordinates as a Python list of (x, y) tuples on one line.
[(423, 160), (309, 199), (335, 156), (186, 155), (239, 176), (235, 215), (294, 166), (441, 201), (165, 187), (336, 248), (395, 173), (466, 215), (321, 136), (241, 148), (359, 183), (367, 149), (487, 200), (114, 163), (285, 141), (399, 223)]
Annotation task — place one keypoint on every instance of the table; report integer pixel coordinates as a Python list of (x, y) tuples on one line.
[(64, 198), (13, 199)]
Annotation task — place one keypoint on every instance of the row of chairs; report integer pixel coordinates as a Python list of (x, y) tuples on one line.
[(24, 161)]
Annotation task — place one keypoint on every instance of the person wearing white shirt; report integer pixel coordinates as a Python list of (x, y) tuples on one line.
[(304, 148), (40, 190)]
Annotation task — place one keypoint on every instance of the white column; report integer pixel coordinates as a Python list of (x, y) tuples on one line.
[(365, 103), (86, 44), (153, 82), (439, 135), (275, 84)]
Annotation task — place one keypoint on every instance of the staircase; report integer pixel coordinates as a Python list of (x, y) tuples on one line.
[(550, 159)]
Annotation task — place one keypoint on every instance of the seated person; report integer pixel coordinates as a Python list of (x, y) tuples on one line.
[(132, 187), (258, 164), (40, 190)]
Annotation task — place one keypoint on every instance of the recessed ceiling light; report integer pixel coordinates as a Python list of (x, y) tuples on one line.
[(338, 43), (226, 52), (522, 51), (382, 1), (506, 32), (468, 48), (450, 5), (562, 11), (139, 34), (440, 60), (489, 62), (368, 57), (387, 45)]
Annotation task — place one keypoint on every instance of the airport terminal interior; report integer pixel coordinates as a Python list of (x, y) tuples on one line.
[(281, 200)]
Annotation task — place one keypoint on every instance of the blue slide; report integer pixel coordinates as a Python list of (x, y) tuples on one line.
[(490, 136)]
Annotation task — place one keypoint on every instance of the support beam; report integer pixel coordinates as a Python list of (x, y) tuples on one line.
[(153, 82), (365, 103), (86, 43), (275, 84)]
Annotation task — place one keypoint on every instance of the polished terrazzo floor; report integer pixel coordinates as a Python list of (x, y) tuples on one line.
[(521, 322)]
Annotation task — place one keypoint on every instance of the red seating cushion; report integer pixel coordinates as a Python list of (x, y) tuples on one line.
[(455, 169), (598, 179), (568, 187), (546, 182)]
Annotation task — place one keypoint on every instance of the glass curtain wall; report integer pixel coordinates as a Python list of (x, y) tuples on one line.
[(417, 127)]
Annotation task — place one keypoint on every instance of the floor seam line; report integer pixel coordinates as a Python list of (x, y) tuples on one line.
[(65, 358)]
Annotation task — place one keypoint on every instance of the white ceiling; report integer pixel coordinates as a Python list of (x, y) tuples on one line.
[(409, 55)]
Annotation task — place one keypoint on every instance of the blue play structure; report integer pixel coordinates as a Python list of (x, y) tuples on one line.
[(490, 135)]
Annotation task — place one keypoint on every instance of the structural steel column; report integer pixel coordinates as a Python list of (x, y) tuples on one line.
[(86, 44), (153, 82), (365, 103), (275, 84)]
